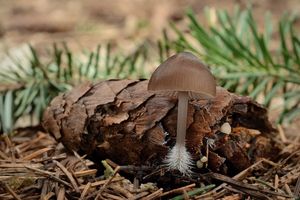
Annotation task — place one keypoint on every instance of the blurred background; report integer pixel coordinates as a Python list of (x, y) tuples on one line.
[(48, 46), (122, 22)]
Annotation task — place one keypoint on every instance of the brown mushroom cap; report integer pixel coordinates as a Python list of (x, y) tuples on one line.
[(184, 72)]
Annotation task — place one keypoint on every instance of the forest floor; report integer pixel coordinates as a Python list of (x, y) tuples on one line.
[(125, 24)]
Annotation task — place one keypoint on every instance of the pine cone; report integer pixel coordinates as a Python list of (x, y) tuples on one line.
[(122, 121)]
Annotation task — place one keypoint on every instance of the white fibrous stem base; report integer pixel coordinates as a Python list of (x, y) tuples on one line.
[(179, 159)]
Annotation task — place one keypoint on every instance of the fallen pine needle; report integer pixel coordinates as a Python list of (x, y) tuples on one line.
[(48, 196), (85, 172), (111, 196), (97, 183), (181, 189), (297, 188), (85, 190), (281, 133), (239, 176), (240, 184), (69, 175), (61, 194), (121, 190), (154, 195), (195, 192), (108, 181), (255, 194), (140, 195), (37, 153), (288, 190), (276, 182), (50, 175)]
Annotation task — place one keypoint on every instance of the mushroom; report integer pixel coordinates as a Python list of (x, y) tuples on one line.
[(189, 78), (226, 128)]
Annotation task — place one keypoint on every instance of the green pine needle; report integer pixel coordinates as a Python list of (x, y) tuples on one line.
[(241, 57), (39, 81)]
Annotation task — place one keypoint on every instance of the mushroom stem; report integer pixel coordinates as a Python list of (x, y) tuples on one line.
[(179, 158), (183, 98)]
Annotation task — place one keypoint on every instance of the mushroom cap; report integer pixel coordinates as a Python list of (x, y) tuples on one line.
[(184, 72)]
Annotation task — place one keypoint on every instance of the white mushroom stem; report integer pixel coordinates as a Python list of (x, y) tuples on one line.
[(179, 158), (183, 99)]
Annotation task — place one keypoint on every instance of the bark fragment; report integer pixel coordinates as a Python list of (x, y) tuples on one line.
[(122, 121)]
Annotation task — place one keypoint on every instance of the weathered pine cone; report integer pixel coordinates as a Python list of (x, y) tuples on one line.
[(122, 121)]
